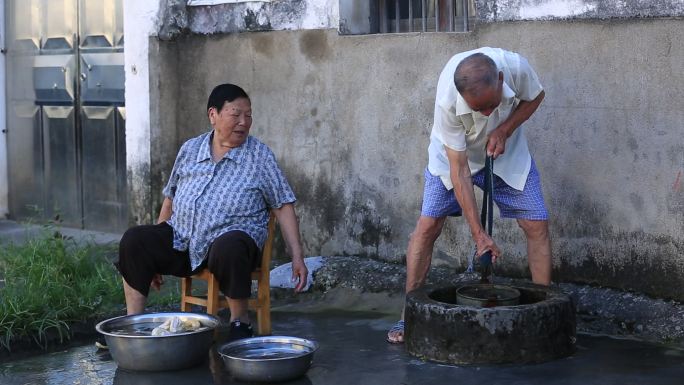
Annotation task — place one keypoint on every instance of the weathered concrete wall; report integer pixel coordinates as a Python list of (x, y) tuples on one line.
[(358, 16), (163, 58), (177, 17), (349, 119), (508, 10), (140, 22)]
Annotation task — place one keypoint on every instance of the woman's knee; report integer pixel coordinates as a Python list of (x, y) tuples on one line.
[(139, 246), (223, 263), (132, 236), (227, 252), (130, 241)]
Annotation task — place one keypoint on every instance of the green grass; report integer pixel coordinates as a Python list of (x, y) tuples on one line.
[(52, 282)]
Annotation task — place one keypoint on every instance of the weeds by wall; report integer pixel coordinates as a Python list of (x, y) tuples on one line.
[(52, 282)]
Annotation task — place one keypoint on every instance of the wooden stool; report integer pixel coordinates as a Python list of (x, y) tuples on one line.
[(213, 301)]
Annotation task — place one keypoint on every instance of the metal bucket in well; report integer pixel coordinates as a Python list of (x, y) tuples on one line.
[(487, 295), (268, 359)]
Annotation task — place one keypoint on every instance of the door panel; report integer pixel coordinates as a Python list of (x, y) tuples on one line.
[(24, 25), (102, 187), (102, 114), (101, 24), (66, 124), (26, 165), (102, 79), (61, 167), (59, 25), (53, 79)]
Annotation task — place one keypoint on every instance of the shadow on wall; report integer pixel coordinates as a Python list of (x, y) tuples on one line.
[(350, 217), (590, 250)]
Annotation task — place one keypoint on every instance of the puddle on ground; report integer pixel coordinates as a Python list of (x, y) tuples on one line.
[(353, 350)]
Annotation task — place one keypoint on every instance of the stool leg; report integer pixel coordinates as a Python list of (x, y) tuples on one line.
[(264, 319), (264, 307), (186, 291), (212, 296)]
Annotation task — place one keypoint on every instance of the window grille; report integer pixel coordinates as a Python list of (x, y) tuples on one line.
[(396, 16)]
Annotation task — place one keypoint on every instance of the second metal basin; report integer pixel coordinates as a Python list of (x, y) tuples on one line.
[(268, 359)]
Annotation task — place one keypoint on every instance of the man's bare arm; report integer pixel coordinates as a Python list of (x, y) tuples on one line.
[(465, 195), (496, 143)]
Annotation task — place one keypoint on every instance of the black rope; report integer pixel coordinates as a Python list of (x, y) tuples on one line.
[(486, 218)]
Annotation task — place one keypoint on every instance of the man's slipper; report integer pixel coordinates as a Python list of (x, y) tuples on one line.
[(396, 334)]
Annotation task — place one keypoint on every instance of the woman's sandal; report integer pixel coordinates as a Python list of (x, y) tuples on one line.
[(398, 330)]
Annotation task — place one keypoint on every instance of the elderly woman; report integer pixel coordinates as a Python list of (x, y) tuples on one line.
[(215, 213)]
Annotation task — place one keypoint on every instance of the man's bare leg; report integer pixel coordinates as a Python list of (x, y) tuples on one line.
[(135, 301), (418, 259), (538, 249), (419, 253)]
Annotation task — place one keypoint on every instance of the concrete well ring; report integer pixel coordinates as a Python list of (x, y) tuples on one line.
[(540, 328)]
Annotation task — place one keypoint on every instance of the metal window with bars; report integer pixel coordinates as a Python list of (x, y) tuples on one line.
[(396, 16)]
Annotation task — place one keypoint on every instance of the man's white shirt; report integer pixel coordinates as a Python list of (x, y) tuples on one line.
[(460, 128)]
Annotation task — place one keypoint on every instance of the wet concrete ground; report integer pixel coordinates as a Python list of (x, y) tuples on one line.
[(353, 351), (11, 231)]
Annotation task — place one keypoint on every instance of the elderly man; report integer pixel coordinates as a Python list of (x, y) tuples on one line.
[(483, 97), (215, 214)]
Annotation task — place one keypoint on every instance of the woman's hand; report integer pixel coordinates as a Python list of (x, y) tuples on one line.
[(157, 282), (299, 274)]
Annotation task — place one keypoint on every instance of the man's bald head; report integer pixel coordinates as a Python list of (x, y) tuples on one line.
[(475, 73)]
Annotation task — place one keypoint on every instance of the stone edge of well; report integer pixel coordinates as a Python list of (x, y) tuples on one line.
[(600, 310)]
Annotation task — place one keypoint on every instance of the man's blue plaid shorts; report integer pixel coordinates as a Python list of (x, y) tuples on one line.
[(527, 204)]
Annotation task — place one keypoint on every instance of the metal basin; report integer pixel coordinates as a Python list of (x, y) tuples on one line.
[(268, 359), (487, 295), (133, 348)]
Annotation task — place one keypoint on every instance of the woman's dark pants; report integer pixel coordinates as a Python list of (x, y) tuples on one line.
[(148, 250)]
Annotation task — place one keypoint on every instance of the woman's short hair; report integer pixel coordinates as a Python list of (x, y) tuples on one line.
[(225, 93)]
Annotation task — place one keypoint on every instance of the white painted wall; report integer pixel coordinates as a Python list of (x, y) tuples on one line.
[(322, 14), (283, 15), (214, 2), (4, 181), (555, 8), (140, 20), (508, 10)]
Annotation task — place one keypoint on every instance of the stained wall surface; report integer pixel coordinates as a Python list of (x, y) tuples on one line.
[(349, 119), (507, 10)]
